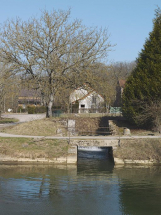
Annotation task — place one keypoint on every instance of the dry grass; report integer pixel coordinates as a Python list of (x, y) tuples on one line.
[(142, 149), (33, 148), (84, 125), (57, 126), (92, 126), (121, 124), (43, 127)]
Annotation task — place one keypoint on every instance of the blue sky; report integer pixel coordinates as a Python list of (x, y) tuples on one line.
[(128, 21)]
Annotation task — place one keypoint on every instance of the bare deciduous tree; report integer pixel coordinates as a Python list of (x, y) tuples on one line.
[(9, 85), (149, 114), (51, 50), (121, 70), (103, 81)]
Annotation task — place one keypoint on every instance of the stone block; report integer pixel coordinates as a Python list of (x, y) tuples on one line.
[(127, 131), (71, 126), (72, 150), (71, 159), (118, 161)]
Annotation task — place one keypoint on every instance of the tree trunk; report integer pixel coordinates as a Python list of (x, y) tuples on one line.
[(49, 107)]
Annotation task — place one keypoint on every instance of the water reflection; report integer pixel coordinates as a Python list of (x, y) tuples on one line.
[(95, 186), (91, 162), (140, 189)]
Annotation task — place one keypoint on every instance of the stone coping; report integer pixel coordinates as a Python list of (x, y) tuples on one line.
[(83, 137), (118, 161)]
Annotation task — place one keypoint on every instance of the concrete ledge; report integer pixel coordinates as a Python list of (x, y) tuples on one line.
[(95, 142), (70, 159), (128, 161), (118, 161)]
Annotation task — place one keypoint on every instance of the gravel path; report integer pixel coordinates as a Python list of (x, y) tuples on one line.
[(83, 137)]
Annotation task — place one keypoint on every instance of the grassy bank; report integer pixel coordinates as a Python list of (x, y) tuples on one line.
[(123, 123), (42, 127), (57, 126), (33, 148), (139, 149), (84, 125)]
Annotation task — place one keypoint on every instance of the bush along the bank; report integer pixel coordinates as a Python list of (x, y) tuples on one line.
[(141, 101), (36, 109), (20, 109)]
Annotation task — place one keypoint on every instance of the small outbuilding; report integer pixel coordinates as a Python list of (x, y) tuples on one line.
[(87, 100)]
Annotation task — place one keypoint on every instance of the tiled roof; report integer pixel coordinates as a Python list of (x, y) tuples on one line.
[(85, 96), (29, 93)]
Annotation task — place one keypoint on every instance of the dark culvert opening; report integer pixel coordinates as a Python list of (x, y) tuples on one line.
[(93, 159), (94, 152)]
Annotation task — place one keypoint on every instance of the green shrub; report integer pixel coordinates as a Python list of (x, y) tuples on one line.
[(36, 109), (20, 109), (31, 109), (40, 109)]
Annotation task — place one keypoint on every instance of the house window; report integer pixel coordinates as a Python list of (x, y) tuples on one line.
[(82, 106)]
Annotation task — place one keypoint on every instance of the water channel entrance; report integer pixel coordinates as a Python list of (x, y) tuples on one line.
[(94, 159), (93, 152)]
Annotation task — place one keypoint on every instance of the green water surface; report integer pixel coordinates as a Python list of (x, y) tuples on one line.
[(94, 186)]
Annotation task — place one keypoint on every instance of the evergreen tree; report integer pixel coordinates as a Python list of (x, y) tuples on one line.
[(143, 88)]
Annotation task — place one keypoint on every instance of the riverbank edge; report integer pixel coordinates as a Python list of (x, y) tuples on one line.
[(119, 161), (71, 157), (21, 150), (143, 142)]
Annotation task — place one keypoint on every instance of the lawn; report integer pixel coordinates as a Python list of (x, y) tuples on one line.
[(33, 148), (42, 127)]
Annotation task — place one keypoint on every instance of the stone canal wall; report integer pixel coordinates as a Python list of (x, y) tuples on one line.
[(70, 158), (138, 151), (126, 150), (95, 142)]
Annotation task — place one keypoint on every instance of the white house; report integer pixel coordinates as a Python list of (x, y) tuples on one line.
[(89, 100)]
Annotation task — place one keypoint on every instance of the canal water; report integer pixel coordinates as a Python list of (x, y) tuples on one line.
[(94, 187)]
